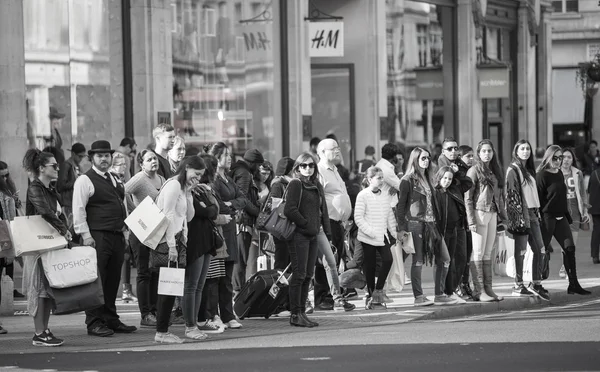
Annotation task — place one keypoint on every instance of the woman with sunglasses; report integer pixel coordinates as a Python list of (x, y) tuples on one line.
[(305, 206), (522, 209), (485, 205), (577, 196), (417, 214), (556, 219), (43, 200)]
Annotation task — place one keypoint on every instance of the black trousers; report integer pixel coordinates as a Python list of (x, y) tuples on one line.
[(322, 292), (226, 293), (282, 254), (110, 251), (163, 312), (147, 279), (246, 260), (457, 249), (370, 265), (469, 251), (595, 245)]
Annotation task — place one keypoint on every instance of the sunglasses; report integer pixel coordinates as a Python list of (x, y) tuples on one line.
[(451, 148), (423, 158), (307, 165), (557, 158), (53, 165)]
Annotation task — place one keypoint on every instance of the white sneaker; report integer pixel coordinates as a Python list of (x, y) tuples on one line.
[(211, 327), (562, 273), (167, 338), (407, 279), (459, 300), (233, 324), (217, 320), (195, 334), (444, 300)]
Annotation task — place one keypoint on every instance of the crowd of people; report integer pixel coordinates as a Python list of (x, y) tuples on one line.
[(447, 209)]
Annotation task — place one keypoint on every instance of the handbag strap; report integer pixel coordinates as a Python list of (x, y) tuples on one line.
[(286, 190)]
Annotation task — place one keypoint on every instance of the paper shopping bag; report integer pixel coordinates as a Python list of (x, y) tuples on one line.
[(7, 248), (170, 281), (395, 279), (148, 223), (504, 253), (66, 268), (32, 235), (408, 244), (79, 298)]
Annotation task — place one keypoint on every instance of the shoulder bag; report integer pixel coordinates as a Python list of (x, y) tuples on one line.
[(278, 224)]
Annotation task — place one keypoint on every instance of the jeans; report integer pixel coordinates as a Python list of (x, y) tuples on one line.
[(536, 241), (282, 254), (164, 306), (195, 276), (226, 293), (595, 244), (303, 252), (457, 253), (469, 246), (370, 265), (147, 279), (442, 265), (246, 263), (110, 249), (416, 268), (484, 236), (560, 229), (329, 263)]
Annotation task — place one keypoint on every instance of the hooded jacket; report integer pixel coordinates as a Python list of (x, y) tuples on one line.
[(242, 176)]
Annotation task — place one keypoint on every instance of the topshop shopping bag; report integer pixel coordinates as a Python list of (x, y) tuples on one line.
[(148, 223), (66, 268), (395, 279), (170, 281), (504, 254), (79, 298), (32, 235)]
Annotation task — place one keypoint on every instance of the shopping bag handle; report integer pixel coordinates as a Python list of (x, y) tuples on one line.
[(176, 264)]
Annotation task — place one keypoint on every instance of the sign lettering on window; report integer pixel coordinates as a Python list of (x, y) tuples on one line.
[(326, 39)]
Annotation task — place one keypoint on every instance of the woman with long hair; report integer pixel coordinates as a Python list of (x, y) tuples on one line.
[(231, 200), (485, 204), (176, 202), (42, 200), (305, 206), (577, 196), (417, 214), (145, 183), (374, 216), (522, 209), (556, 219)]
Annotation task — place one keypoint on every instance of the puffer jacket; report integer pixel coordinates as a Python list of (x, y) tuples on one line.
[(412, 202), (242, 176), (481, 196)]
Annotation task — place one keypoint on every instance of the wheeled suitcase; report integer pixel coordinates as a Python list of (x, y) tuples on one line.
[(262, 294)]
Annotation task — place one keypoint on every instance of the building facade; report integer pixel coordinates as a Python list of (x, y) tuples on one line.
[(272, 74)]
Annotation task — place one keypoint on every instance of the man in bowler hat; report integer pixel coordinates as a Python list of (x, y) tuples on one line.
[(99, 217)]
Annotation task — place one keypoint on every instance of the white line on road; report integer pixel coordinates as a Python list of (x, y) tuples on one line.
[(316, 359)]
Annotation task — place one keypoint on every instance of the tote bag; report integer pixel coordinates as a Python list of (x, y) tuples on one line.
[(148, 223), (66, 268), (170, 281), (32, 235), (504, 254), (395, 279)]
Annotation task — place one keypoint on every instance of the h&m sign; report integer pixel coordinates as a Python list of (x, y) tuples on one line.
[(326, 39)]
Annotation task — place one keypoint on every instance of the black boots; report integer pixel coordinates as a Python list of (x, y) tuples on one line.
[(571, 267), (301, 320)]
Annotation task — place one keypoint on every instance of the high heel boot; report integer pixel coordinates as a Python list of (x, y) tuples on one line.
[(571, 267), (487, 281), (477, 277)]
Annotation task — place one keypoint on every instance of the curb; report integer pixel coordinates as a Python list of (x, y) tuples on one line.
[(508, 304)]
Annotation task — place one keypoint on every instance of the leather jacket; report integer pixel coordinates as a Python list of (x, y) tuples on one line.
[(412, 202), (482, 197), (43, 201)]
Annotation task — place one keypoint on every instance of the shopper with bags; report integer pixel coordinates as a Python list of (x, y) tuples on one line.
[(42, 200), (144, 184), (99, 217), (485, 206), (283, 176), (306, 207), (374, 216), (522, 210), (556, 218), (231, 201)]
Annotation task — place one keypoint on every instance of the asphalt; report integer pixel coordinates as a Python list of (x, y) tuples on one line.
[(401, 310)]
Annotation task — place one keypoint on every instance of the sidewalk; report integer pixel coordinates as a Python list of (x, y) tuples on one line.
[(72, 327)]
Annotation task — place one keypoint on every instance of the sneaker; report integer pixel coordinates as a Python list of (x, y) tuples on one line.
[(283, 314), (3, 331), (520, 290), (325, 306), (542, 292), (533, 289), (309, 307), (46, 339), (422, 301), (177, 319), (350, 293), (167, 338), (562, 273), (195, 334), (211, 327), (217, 320), (233, 324), (444, 300), (459, 300), (342, 304), (407, 279), (128, 296), (148, 321)]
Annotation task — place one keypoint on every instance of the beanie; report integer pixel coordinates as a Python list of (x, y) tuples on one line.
[(284, 166), (254, 156)]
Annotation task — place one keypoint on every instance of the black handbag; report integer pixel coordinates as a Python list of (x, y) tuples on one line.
[(218, 239), (278, 224), (160, 256)]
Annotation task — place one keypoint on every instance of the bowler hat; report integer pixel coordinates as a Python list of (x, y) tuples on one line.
[(100, 146)]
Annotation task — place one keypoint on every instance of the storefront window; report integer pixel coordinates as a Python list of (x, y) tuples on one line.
[(68, 73), (415, 52), (226, 65)]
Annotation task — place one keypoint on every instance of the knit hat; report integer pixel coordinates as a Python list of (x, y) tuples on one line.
[(284, 166), (254, 156)]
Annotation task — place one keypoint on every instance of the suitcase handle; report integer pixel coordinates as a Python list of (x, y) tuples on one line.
[(283, 272)]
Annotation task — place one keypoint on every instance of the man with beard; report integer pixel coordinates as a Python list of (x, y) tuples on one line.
[(99, 217), (459, 257), (164, 139)]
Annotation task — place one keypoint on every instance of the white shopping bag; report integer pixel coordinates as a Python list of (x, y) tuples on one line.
[(528, 265), (32, 235), (504, 253), (148, 223), (170, 281), (65, 268), (408, 244), (395, 279), (511, 269)]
